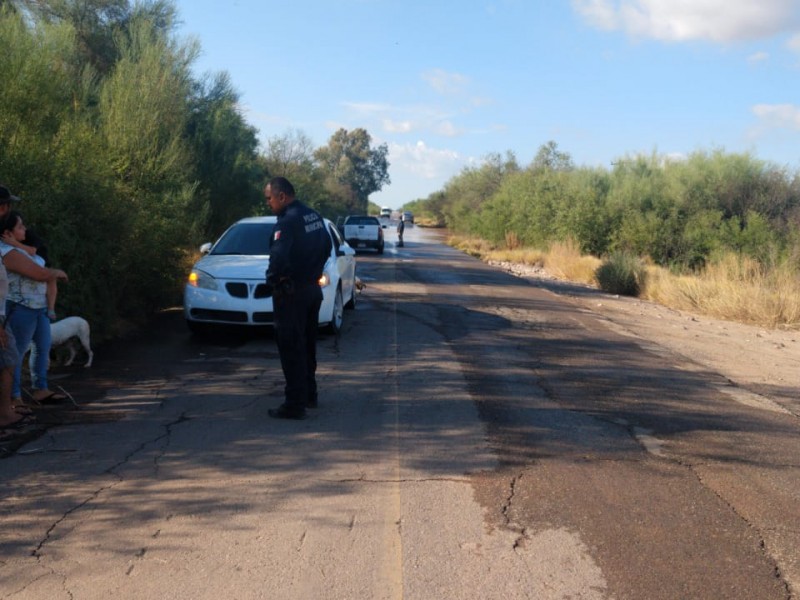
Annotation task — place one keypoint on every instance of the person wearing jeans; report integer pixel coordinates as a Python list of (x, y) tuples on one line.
[(26, 309), (31, 329)]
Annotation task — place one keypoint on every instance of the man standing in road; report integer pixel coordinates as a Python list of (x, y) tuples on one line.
[(401, 225), (299, 247)]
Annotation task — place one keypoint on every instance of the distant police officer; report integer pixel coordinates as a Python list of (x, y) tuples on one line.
[(299, 247)]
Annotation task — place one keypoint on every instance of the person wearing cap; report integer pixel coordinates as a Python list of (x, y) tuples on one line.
[(6, 200)]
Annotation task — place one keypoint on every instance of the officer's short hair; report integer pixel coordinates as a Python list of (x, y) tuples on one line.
[(281, 184)]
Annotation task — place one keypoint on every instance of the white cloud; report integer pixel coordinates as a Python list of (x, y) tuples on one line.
[(680, 20), (367, 108), (794, 43), (600, 13), (417, 170), (423, 161), (406, 119), (778, 116), (480, 101), (758, 57), (447, 129), (392, 126), (446, 83)]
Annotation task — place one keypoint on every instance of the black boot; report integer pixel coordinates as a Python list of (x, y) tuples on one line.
[(286, 412)]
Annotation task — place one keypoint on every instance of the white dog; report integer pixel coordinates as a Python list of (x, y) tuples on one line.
[(64, 330)]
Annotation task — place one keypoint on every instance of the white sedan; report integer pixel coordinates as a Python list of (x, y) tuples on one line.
[(227, 285)]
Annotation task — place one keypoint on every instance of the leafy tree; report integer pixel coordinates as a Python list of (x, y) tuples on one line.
[(292, 155), (350, 162), (549, 157), (227, 171), (98, 23), (469, 190), (42, 92), (143, 116), (680, 213), (584, 215)]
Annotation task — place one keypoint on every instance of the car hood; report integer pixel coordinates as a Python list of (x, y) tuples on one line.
[(230, 266)]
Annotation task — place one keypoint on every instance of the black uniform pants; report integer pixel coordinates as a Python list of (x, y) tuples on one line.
[(296, 320)]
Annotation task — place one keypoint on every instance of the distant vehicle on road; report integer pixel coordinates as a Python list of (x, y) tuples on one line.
[(408, 217), (362, 231), (386, 213)]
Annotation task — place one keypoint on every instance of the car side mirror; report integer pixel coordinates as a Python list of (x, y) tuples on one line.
[(205, 248)]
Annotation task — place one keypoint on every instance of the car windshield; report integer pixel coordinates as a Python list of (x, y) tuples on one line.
[(250, 239)]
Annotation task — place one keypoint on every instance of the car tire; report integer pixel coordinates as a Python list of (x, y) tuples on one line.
[(351, 304), (337, 317), (380, 248)]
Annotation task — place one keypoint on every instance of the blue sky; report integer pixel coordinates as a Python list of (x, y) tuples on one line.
[(446, 82)]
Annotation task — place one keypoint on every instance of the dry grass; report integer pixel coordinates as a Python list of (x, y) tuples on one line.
[(733, 288), (525, 256), (472, 246), (565, 261)]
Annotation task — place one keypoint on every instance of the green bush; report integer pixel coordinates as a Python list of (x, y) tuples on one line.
[(621, 273)]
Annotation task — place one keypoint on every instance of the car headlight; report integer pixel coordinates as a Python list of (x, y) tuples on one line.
[(324, 280), (201, 279)]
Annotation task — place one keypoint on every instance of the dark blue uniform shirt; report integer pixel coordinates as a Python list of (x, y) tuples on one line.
[(299, 247)]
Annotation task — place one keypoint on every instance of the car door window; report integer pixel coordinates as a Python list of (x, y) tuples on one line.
[(337, 240)]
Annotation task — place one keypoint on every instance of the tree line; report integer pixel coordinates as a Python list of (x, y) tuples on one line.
[(680, 213), (127, 161)]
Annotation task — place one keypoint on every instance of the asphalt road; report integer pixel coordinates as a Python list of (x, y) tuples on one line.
[(477, 437)]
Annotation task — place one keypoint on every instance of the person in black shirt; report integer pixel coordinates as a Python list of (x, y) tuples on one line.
[(299, 247)]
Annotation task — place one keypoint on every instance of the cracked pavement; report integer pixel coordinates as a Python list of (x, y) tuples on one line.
[(478, 436)]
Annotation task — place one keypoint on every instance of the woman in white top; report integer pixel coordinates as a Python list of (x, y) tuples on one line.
[(26, 309)]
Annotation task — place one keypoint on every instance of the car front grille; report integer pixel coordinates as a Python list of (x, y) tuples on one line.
[(236, 289), (261, 291), (230, 316), (263, 317)]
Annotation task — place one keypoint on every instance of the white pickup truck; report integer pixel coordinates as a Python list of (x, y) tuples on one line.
[(362, 231)]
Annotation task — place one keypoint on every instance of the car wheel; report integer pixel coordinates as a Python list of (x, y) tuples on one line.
[(335, 326), (351, 304), (380, 248)]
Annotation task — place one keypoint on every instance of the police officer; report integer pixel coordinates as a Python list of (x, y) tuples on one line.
[(299, 247)]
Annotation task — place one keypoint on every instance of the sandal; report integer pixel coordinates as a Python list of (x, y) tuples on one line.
[(22, 409), (51, 397), (19, 424)]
